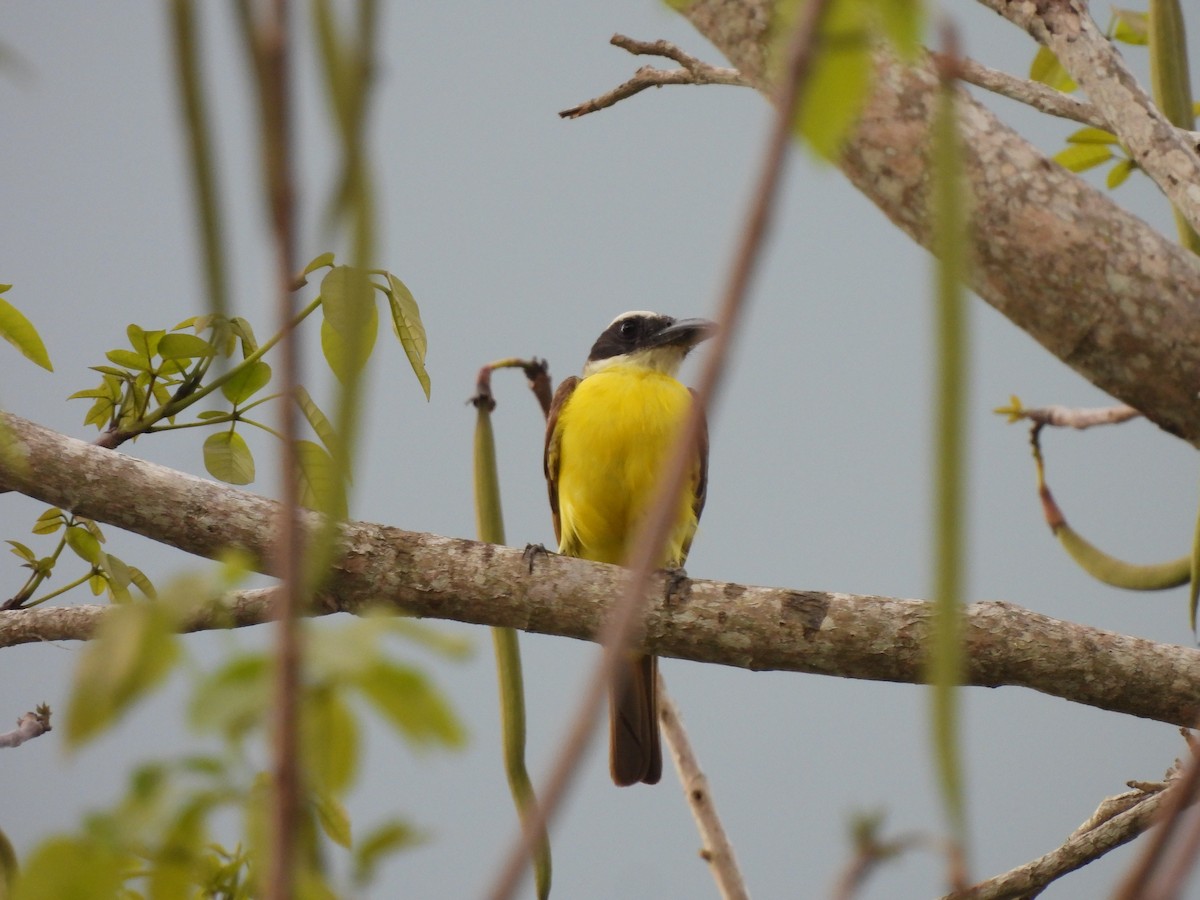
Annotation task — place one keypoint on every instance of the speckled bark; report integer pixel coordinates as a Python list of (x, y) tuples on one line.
[(1099, 288), (877, 638)]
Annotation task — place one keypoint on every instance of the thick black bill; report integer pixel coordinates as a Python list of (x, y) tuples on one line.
[(686, 332)]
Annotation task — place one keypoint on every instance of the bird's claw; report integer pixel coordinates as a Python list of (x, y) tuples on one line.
[(531, 552), (677, 585)]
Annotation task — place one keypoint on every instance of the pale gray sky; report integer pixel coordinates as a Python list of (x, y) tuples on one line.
[(520, 233)]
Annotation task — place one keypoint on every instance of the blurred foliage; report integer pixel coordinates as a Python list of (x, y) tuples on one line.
[(170, 835), (842, 69), (949, 204), (196, 826), (19, 331)]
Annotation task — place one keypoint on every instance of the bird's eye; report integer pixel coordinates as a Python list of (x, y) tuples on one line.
[(629, 328)]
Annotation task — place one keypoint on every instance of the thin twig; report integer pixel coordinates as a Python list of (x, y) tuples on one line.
[(1039, 96), (871, 852), (1140, 882), (692, 71), (31, 725), (618, 632), (718, 851), (537, 374), (1103, 832), (1074, 417)]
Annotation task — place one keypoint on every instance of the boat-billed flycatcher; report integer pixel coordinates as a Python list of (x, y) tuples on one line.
[(607, 441)]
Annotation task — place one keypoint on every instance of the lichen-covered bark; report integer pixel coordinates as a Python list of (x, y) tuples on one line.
[(877, 638), (1099, 288)]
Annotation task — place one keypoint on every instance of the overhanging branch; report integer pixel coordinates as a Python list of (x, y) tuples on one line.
[(1095, 285), (759, 628)]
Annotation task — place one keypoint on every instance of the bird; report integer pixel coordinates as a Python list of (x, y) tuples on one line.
[(608, 437)]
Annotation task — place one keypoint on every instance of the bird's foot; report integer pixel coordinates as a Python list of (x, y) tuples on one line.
[(677, 584), (532, 551)]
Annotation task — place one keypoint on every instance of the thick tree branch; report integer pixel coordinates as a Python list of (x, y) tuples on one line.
[(850, 636), (1095, 285)]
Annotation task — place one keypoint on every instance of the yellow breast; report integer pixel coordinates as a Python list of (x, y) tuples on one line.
[(616, 431)]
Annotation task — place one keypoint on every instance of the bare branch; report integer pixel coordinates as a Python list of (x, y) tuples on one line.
[(718, 851), (1031, 93), (1092, 283), (1103, 832), (31, 725), (692, 71), (1076, 417), (870, 851)]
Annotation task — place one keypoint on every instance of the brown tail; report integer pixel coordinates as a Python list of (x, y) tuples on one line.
[(635, 752)]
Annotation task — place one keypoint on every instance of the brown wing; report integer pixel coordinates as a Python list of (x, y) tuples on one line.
[(700, 483), (553, 439)]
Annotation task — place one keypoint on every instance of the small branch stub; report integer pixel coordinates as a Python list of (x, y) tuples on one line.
[(29, 726), (692, 71)]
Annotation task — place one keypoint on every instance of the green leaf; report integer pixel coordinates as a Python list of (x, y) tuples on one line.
[(344, 364), (119, 374), (384, 840), (1047, 70), (346, 295), (317, 420), (1119, 172), (22, 551), (128, 359), (118, 576), (245, 381), (318, 262), (319, 486), (1131, 27), (181, 345), (902, 22), (1092, 136), (145, 343), (134, 649), (334, 819), (49, 521), (1081, 157), (19, 331), (70, 868), (84, 543), (8, 867), (227, 458), (406, 322), (404, 696), (234, 699), (330, 740), (245, 332), (840, 79), (143, 584)]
